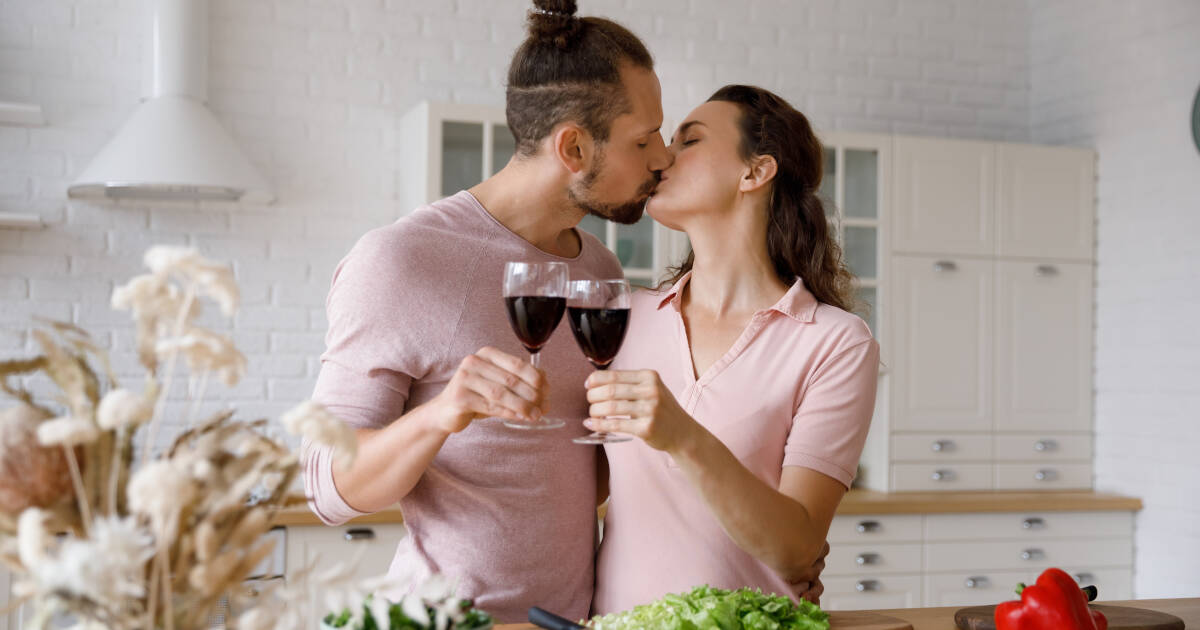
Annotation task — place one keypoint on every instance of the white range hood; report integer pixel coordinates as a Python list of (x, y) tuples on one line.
[(173, 148)]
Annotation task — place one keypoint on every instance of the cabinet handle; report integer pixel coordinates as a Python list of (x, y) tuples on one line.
[(976, 581), (945, 265), (942, 475), (1042, 446), (359, 534), (941, 446), (867, 558), (1033, 523), (1047, 271), (1033, 554), (1085, 578), (1045, 474), (864, 586), (866, 527)]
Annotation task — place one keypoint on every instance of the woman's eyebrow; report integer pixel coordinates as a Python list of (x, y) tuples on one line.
[(687, 125)]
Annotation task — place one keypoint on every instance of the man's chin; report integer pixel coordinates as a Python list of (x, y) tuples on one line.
[(626, 214)]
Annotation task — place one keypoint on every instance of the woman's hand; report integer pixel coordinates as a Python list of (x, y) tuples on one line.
[(653, 413)]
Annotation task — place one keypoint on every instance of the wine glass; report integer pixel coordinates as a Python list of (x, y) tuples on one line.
[(599, 314), (536, 296)]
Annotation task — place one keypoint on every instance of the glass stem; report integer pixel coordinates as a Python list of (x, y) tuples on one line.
[(535, 359)]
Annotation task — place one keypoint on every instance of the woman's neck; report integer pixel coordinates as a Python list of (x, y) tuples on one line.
[(732, 274)]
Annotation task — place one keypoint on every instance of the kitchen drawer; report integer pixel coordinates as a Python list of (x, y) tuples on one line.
[(1043, 476), (1036, 447), (933, 447), (1111, 584), (370, 548), (1022, 554), (859, 529), (873, 559), (973, 588), (948, 477), (1028, 526), (870, 593)]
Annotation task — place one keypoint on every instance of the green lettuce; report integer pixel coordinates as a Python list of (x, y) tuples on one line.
[(707, 608)]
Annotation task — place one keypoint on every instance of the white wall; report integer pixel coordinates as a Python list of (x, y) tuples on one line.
[(312, 90), (1120, 77)]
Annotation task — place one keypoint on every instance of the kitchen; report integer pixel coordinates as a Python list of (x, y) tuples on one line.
[(353, 113)]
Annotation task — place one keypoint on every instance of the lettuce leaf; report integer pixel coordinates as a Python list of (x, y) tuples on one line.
[(708, 608)]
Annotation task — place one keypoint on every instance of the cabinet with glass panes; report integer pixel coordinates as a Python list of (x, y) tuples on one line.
[(451, 147)]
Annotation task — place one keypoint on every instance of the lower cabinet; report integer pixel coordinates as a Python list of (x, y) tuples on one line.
[(902, 561)]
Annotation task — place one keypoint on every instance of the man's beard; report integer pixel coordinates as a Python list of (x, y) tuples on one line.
[(625, 213)]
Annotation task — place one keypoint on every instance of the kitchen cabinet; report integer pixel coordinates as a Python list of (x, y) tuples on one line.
[(945, 196), (1045, 202), (369, 548), (451, 147)]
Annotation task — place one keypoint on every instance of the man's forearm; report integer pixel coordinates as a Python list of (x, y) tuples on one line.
[(391, 460)]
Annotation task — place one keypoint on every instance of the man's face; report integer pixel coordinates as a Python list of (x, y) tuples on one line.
[(625, 169)]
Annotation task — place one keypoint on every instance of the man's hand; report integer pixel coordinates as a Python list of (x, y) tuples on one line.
[(490, 384), (808, 585)]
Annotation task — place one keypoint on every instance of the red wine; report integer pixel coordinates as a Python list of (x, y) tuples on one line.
[(599, 332), (534, 318)]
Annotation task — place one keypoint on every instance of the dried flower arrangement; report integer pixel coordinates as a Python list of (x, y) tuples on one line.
[(109, 543)]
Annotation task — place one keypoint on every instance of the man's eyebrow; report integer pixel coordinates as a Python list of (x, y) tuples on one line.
[(687, 125)]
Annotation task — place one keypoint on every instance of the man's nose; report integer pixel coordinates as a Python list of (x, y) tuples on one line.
[(661, 158)]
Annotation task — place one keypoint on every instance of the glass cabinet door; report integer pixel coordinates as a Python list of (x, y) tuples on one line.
[(850, 188), (462, 155)]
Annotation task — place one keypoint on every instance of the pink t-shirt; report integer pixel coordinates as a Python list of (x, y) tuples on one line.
[(510, 513), (796, 389)]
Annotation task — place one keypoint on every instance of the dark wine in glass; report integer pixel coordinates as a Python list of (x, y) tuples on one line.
[(535, 295), (599, 314)]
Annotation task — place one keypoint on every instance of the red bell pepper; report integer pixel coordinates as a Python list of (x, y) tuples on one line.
[(1055, 602)]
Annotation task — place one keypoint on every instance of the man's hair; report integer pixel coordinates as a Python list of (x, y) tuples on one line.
[(568, 69)]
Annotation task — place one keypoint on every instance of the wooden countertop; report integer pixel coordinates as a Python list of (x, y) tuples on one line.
[(1187, 609), (870, 502)]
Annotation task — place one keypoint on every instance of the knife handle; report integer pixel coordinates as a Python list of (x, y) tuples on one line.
[(551, 621)]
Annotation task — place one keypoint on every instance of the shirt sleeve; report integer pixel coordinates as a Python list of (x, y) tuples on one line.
[(370, 361), (829, 428)]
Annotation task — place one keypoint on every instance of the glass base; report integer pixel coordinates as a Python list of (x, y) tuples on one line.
[(540, 425), (602, 438)]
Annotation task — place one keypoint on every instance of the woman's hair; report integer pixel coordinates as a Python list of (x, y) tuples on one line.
[(799, 240), (568, 68)]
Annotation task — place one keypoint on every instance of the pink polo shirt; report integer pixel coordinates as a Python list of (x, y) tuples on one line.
[(796, 389)]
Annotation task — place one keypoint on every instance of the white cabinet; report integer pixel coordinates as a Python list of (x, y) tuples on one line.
[(1045, 202), (368, 547), (944, 196), (451, 147)]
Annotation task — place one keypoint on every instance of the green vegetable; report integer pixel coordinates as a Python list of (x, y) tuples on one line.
[(707, 608), (473, 618)]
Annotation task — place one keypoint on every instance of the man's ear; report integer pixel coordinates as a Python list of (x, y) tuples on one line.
[(573, 147), (762, 170)]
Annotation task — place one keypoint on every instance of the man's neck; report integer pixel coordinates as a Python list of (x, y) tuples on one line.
[(532, 206)]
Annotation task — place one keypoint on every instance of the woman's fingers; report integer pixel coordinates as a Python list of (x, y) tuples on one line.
[(632, 426), (605, 377), (619, 391), (637, 409)]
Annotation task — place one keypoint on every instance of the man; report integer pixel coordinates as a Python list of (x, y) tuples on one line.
[(420, 358)]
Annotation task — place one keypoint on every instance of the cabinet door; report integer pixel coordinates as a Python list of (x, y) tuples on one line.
[(942, 315), (1045, 201), (944, 196), (1043, 346)]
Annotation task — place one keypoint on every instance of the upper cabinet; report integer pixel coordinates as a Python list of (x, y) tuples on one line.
[(1045, 202), (945, 197), (450, 147)]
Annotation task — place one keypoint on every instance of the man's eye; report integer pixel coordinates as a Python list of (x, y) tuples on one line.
[(688, 142), (643, 145)]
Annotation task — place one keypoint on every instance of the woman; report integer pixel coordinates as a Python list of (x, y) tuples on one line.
[(754, 385)]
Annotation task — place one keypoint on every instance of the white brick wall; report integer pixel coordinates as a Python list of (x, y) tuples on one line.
[(1120, 77)]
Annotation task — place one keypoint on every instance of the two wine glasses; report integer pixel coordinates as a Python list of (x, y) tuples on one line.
[(537, 295)]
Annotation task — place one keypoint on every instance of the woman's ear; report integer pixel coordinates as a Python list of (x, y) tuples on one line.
[(762, 170), (573, 147)]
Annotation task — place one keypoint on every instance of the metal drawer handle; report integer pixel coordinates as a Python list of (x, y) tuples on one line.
[(941, 446), (866, 527), (864, 586), (359, 534), (945, 265), (1085, 578), (976, 581), (1042, 446), (867, 558), (942, 475), (1047, 270), (1045, 474), (1033, 523), (1033, 554)]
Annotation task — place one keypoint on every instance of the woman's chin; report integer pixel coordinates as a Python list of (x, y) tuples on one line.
[(660, 210)]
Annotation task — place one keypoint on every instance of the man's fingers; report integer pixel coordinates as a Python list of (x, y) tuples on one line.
[(517, 366), (509, 380), (498, 396)]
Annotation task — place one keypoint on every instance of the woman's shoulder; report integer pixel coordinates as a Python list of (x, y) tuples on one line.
[(843, 328)]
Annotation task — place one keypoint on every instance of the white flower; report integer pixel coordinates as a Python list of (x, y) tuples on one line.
[(215, 280), (159, 490), (67, 431), (206, 350), (414, 608), (31, 537), (108, 569), (163, 259), (311, 420), (122, 408)]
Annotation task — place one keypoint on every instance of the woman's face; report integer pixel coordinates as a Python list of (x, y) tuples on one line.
[(707, 170)]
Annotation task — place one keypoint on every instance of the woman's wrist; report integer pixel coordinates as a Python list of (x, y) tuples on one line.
[(694, 445)]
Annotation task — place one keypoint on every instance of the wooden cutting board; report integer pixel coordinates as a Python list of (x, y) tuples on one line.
[(1119, 618), (838, 620)]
